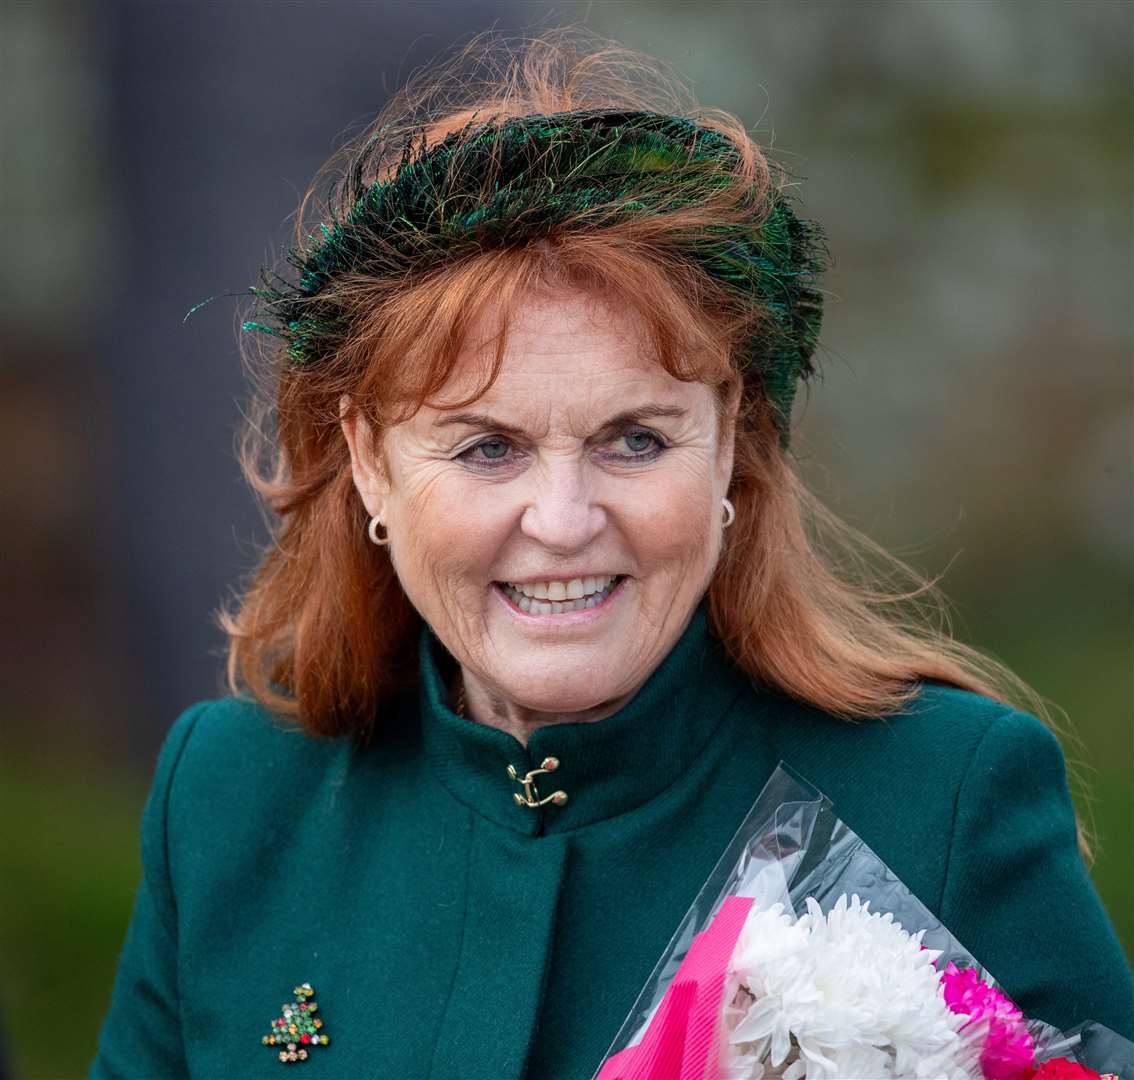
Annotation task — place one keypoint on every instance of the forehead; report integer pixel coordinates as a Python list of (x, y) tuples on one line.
[(565, 349)]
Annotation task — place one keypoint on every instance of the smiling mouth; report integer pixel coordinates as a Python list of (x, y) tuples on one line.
[(560, 597)]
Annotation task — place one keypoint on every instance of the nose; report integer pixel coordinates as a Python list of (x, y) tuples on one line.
[(563, 514)]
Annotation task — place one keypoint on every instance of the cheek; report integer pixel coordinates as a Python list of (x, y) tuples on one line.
[(450, 530), (670, 519)]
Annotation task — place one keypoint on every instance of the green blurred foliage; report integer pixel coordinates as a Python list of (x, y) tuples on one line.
[(71, 867)]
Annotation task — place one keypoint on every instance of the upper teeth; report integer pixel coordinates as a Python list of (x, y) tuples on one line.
[(575, 589)]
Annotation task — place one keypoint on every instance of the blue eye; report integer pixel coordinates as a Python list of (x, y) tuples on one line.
[(494, 451), (493, 448), (643, 445), (637, 441)]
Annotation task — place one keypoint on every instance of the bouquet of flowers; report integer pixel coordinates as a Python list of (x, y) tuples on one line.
[(782, 969)]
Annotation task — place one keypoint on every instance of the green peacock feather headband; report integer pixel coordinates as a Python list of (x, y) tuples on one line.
[(503, 183)]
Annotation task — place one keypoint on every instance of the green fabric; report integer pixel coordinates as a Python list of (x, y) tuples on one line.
[(448, 932)]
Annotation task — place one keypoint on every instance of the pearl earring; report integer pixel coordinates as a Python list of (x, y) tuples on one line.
[(729, 513), (371, 531)]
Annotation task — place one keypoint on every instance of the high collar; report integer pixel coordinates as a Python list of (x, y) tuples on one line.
[(606, 767)]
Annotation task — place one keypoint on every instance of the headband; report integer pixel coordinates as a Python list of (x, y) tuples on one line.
[(502, 183)]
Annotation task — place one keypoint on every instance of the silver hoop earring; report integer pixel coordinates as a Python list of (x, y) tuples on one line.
[(370, 530), (729, 513)]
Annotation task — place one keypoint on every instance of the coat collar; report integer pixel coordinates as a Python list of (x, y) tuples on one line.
[(606, 767)]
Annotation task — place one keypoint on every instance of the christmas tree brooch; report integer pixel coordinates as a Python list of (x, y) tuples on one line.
[(298, 1027)]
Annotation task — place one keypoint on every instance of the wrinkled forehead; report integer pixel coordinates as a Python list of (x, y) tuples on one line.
[(568, 358)]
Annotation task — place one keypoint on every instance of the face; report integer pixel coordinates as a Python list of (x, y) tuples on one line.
[(558, 533)]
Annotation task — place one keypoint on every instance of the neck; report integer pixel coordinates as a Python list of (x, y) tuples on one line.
[(484, 706)]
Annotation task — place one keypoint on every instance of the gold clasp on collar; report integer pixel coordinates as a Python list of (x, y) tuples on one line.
[(530, 796)]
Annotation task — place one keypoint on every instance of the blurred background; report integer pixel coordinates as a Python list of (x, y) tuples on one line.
[(970, 161)]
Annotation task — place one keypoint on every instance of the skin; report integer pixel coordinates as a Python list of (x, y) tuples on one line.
[(564, 496)]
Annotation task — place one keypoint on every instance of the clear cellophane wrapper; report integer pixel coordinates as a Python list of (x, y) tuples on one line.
[(792, 848)]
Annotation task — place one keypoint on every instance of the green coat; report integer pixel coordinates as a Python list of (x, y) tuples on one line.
[(449, 932)]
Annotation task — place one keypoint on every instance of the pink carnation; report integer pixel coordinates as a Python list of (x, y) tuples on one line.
[(1008, 1052)]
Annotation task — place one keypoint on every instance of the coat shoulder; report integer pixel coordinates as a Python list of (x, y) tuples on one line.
[(898, 780), (942, 723), (233, 734), (236, 756)]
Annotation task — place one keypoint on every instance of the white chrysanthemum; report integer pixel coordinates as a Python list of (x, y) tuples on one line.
[(836, 997)]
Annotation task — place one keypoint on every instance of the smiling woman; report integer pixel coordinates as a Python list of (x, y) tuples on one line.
[(524, 422), (555, 489)]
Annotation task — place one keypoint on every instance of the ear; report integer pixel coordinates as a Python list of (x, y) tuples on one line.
[(727, 433), (370, 479)]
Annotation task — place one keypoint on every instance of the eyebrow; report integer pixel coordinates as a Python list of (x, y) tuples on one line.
[(629, 416)]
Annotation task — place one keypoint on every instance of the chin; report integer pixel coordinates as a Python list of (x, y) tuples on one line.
[(570, 688)]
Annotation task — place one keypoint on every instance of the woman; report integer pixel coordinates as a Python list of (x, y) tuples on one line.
[(544, 613)]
